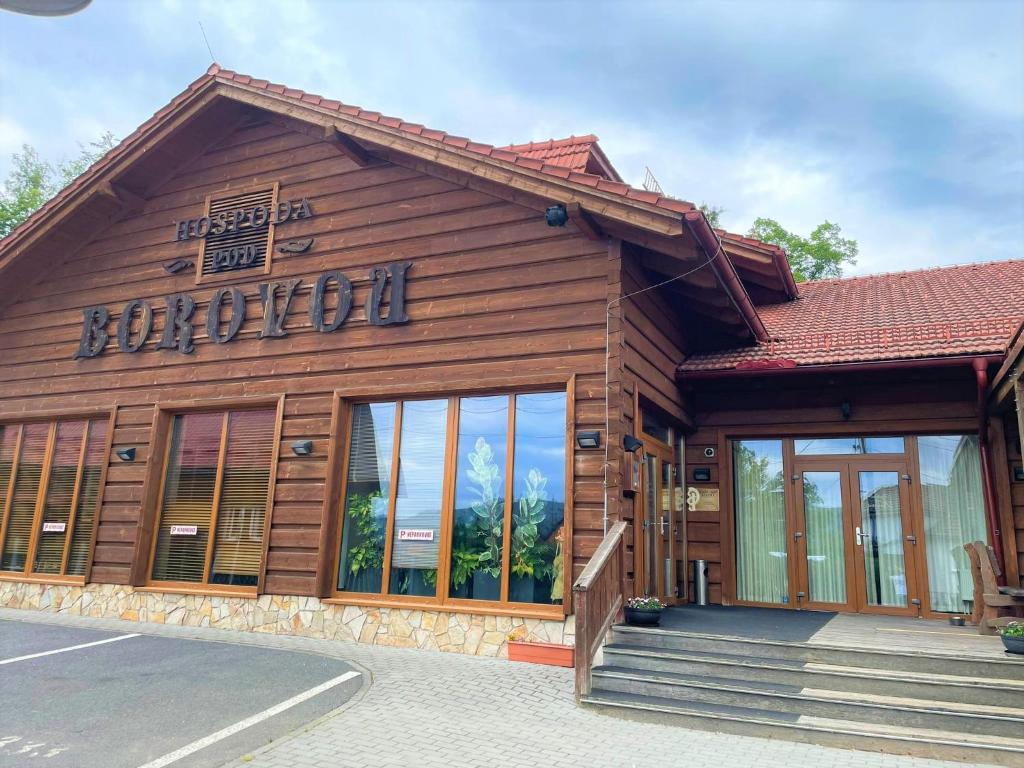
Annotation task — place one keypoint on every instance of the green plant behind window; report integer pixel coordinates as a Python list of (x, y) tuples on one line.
[(530, 556), (486, 476), (368, 552)]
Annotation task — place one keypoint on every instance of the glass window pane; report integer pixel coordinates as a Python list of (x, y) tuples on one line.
[(367, 493), (88, 495), (478, 529), (187, 506), (414, 545), (23, 500), (238, 545), (954, 514), (654, 425), (60, 492), (824, 529), (8, 445), (821, 446), (538, 500), (882, 525), (761, 555)]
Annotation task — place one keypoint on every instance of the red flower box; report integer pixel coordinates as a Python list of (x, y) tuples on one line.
[(551, 654)]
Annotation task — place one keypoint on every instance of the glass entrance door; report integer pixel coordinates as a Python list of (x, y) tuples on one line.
[(853, 537), (659, 524)]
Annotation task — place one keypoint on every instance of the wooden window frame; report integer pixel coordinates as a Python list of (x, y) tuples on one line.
[(337, 482), (153, 494), (52, 418), (232, 275)]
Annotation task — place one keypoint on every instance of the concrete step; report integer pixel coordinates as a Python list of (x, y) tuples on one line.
[(800, 674), (783, 698), (924, 662), (753, 721)]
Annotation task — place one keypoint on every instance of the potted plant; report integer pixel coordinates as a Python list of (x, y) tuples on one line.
[(531, 557), (1013, 637), (644, 611), (490, 518), (520, 648)]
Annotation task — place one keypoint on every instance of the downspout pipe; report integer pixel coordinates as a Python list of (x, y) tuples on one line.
[(980, 366), (705, 236)]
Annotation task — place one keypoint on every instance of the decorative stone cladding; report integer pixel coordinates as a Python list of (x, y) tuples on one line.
[(473, 634)]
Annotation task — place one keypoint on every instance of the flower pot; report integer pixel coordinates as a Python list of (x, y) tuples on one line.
[(643, 617), (365, 580), (485, 586), (520, 589), (1013, 644), (552, 654)]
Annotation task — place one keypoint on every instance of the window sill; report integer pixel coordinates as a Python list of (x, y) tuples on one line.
[(199, 589), (36, 578), (518, 610)]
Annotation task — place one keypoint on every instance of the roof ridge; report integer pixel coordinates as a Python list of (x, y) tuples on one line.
[(918, 270), (568, 141)]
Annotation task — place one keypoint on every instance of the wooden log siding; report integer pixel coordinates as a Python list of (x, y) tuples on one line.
[(493, 294)]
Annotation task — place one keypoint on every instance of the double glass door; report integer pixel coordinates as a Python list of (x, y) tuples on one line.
[(853, 537), (662, 525)]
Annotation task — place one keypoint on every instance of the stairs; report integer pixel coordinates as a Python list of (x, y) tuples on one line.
[(969, 709)]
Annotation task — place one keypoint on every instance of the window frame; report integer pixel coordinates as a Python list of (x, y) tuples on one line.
[(52, 418), (153, 494), (338, 467)]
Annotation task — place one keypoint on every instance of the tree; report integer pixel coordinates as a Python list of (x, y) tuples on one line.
[(713, 214), (32, 181), (821, 255)]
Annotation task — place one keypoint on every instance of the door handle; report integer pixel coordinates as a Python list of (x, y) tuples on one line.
[(861, 536), (797, 535), (661, 525)]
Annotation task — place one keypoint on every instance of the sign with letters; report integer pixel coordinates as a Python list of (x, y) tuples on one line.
[(702, 499), (415, 534), (184, 530), (54, 527)]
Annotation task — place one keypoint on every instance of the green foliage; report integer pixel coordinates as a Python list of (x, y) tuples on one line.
[(823, 254), (645, 604), (32, 181), (713, 214), (368, 552), (486, 476), (1013, 629), (531, 557)]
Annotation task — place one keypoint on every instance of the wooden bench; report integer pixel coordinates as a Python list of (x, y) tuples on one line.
[(991, 600)]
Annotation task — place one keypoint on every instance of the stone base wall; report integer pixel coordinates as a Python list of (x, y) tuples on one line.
[(470, 633)]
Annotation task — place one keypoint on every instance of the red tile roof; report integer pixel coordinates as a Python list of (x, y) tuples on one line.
[(945, 311), (578, 153)]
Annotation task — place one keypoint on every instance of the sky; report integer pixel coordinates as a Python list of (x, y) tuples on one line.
[(901, 121)]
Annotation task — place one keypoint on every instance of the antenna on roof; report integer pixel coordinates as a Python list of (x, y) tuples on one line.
[(650, 183), (212, 57)]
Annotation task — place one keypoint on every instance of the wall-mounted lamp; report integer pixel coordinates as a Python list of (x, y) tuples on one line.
[(302, 447), (702, 474), (556, 216), (590, 438), (631, 444), (845, 409), (125, 454)]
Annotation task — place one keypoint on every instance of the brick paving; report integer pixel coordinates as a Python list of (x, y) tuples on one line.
[(427, 709)]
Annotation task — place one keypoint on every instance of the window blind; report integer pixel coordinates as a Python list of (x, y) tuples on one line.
[(88, 496), (215, 498), (60, 495), (22, 504)]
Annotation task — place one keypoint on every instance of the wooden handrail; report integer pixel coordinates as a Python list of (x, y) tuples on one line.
[(598, 596)]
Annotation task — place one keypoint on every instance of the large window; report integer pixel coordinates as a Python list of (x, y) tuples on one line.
[(49, 490), (456, 499), (761, 551), (215, 498)]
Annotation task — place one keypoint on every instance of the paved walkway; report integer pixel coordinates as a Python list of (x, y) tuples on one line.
[(428, 709)]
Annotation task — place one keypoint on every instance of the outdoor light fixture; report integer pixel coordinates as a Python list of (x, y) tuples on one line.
[(556, 216), (126, 454), (590, 438), (302, 447), (631, 444)]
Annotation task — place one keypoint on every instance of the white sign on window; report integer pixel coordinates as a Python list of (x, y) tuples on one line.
[(184, 530), (54, 527), (415, 534)]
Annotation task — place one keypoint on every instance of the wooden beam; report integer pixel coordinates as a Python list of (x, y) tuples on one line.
[(124, 198), (585, 222), (347, 146)]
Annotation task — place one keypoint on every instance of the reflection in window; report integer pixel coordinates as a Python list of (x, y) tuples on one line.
[(954, 514), (822, 446), (418, 497), (761, 560), (538, 500), (656, 426), (366, 497), (478, 526)]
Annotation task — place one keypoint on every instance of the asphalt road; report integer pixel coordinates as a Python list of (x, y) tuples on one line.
[(128, 702)]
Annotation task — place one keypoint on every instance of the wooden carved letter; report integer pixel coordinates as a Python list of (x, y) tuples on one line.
[(213, 315), (94, 332), (316, 302), (124, 325), (396, 304), (178, 324), (273, 321)]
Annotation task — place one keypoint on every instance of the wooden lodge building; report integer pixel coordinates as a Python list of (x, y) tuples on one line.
[(280, 363)]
